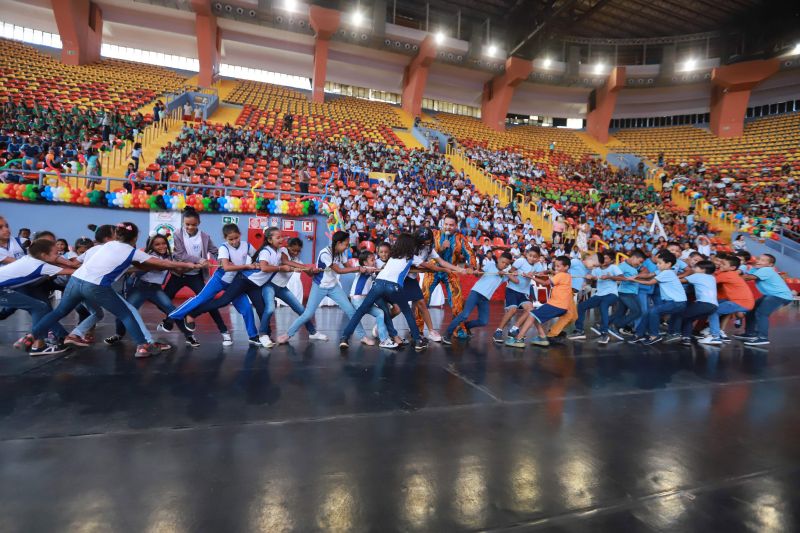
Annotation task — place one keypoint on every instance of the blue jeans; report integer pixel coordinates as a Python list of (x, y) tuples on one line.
[(602, 302), (335, 293), (474, 299), (380, 290), (377, 312), (726, 307), (13, 299), (649, 323), (241, 292), (694, 311), (206, 296), (95, 315), (644, 305), (101, 295), (271, 291), (628, 310), (758, 318), (149, 292)]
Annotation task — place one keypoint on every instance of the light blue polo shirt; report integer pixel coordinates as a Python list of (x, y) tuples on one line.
[(578, 270), (606, 286), (489, 283), (670, 286), (770, 283), (651, 266), (705, 287), (628, 287), (524, 284)]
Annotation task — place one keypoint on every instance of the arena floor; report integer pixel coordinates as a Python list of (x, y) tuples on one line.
[(473, 437)]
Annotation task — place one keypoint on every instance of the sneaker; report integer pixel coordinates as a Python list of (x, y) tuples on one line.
[(401, 341), (705, 332), (388, 343), (744, 337), (603, 339), (265, 341), (318, 336), (343, 344), (515, 342), (421, 345), (49, 349), (112, 340), (254, 340), (434, 336), (614, 332), (649, 341), (513, 332), (165, 325), (686, 341), (498, 336), (191, 340), (24, 343), (595, 331), (227, 340), (76, 340), (463, 334), (627, 332), (758, 341), (283, 339), (737, 323), (723, 337), (146, 350), (540, 341), (671, 338), (708, 339), (375, 331), (162, 346), (635, 340), (447, 340), (368, 341), (190, 326), (577, 335)]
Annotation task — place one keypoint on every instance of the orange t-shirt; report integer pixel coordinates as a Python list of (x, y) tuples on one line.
[(731, 286), (561, 295)]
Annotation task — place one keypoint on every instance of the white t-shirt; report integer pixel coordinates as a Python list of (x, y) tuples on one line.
[(243, 255), (110, 261), (272, 257), (395, 270), (327, 278), (423, 256), (14, 250), (281, 279), (361, 285), (155, 276), (25, 270), (194, 246)]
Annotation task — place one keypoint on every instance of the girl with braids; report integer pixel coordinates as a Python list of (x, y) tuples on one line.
[(93, 282), (146, 287)]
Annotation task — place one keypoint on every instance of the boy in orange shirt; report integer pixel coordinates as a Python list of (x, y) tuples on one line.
[(557, 305), (734, 296)]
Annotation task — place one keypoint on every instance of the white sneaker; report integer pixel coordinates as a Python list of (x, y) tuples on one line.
[(318, 337), (705, 331), (710, 340), (369, 341), (265, 341), (375, 331), (388, 343), (435, 336), (227, 340)]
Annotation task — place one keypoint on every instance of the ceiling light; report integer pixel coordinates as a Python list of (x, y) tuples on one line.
[(491, 50), (796, 49), (690, 64), (439, 37), (290, 5), (358, 18), (598, 68), (547, 62)]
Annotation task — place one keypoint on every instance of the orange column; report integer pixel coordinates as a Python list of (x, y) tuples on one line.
[(730, 92), (498, 91), (325, 22), (80, 26), (598, 119), (208, 42), (416, 76)]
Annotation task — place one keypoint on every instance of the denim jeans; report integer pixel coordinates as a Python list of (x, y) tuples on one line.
[(380, 290), (628, 310), (13, 299), (649, 323), (241, 292), (694, 311), (335, 293), (758, 317), (195, 284), (149, 292), (474, 299), (271, 291), (726, 307), (84, 326), (103, 296), (602, 302), (377, 312)]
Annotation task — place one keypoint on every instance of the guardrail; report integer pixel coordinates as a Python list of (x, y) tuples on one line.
[(601, 245)]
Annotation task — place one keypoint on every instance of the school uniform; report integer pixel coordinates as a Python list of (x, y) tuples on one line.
[(628, 307), (276, 286), (18, 274), (358, 293), (776, 294), (605, 296), (705, 303), (672, 302), (479, 298), (518, 294)]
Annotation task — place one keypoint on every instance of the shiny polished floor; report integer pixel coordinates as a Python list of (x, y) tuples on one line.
[(577, 437)]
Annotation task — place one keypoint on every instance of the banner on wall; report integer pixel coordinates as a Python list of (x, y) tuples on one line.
[(165, 223)]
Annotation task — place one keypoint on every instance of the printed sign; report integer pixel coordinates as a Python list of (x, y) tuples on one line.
[(288, 225), (165, 223), (308, 226), (230, 220)]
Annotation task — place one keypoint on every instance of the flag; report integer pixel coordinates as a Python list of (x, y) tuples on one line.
[(657, 226)]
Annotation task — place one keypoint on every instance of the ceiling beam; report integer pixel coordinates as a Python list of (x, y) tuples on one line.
[(643, 20), (664, 12), (600, 4), (683, 7), (548, 19)]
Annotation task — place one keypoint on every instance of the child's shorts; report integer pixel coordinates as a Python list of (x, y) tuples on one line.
[(515, 300), (547, 312)]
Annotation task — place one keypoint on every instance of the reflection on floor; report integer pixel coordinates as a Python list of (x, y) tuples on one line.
[(577, 437)]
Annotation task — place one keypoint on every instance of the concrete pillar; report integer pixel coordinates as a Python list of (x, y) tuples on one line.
[(415, 76), (598, 119), (730, 93), (209, 42), (325, 22), (498, 91), (80, 26)]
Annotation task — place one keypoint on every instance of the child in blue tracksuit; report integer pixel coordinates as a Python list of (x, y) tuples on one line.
[(672, 299), (235, 257), (481, 293)]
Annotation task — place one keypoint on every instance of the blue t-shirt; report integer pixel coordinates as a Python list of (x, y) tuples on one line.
[(705, 287), (629, 287), (651, 266), (770, 283), (489, 282), (606, 286), (578, 270), (524, 284), (679, 266), (670, 286)]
